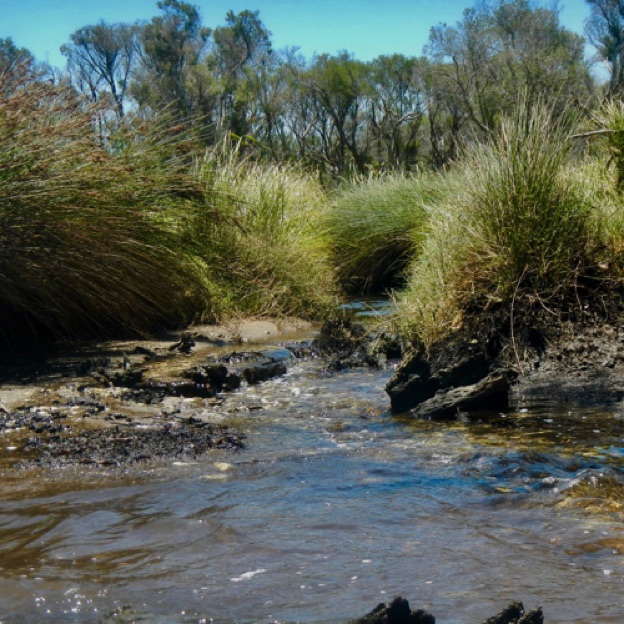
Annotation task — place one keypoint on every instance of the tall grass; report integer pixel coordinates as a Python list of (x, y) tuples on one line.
[(266, 253), (84, 249), (514, 225), (376, 226)]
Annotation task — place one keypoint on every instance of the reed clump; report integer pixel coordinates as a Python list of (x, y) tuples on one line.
[(265, 255), (376, 226), (514, 231), (83, 222)]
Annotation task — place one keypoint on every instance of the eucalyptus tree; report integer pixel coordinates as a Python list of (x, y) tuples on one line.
[(339, 86), (299, 116), (241, 62), (100, 59), (397, 108), (173, 47), (446, 117), (506, 50), (12, 57), (605, 31)]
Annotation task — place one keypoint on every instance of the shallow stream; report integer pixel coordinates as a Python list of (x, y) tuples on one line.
[(335, 505)]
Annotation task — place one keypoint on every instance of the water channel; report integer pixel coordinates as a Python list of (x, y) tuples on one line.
[(335, 505)]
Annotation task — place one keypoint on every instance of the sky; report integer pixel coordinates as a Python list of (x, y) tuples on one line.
[(366, 28)]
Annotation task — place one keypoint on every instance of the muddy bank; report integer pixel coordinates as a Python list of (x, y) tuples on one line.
[(118, 403), (487, 363)]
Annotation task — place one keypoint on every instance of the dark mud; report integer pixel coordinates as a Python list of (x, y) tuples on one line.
[(115, 404), (575, 356)]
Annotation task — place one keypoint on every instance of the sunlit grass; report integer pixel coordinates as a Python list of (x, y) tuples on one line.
[(82, 253), (376, 226), (266, 254), (512, 225)]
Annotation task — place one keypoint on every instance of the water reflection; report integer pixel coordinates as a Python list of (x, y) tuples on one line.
[(334, 506)]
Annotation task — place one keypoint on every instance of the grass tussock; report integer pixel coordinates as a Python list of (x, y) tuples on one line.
[(85, 251), (514, 226), (376, 226), (265, 255)]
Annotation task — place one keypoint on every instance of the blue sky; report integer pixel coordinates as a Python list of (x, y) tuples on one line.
[(367, 28)]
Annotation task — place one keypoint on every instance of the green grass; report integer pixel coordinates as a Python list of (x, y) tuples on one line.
[(513, 226), (85, 252), (266, 254), (376, 227)]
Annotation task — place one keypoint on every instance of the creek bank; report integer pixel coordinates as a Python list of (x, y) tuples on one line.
[(113, 404), (118, 403), (485, 365), (398, 612)]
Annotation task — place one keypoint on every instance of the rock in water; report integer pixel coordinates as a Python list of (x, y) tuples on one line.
[(397, 612), (514, 614)]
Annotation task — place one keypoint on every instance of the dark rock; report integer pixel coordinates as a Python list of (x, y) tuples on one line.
[(187, 389), (125, 378), (256, 366), (261, 372), (216, 376), (339, 337), (184, 345), (533, 617), (350, 345), (514, 614), (490, 393), (397, 612), (421, 374), (412, 382)]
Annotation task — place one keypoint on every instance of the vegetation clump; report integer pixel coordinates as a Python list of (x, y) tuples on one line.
[(376, 226), (518, 236), (82, 214), (265, 254)]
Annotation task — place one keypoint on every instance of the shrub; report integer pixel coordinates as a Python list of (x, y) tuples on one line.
[(84, 253), (376, 225), (512, 224), (265, 254)]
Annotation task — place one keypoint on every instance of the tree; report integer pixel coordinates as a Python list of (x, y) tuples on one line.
[(397, 108), (505, 51), (103, 54), (241, 62), (605, 31), (172, 48), (12, 57), (339, 86)]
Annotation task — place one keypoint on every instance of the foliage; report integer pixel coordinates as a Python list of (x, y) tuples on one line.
[(172, 48), (376, 225), (514, 224), (610, 121), (605, 31), (502, 51), (264, 255), (103, 54), (82, 253), (333, 112)]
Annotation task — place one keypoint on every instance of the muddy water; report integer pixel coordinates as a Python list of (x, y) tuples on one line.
[(334, 506)]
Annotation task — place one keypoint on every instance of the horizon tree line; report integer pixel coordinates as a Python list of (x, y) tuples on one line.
[(336, 113)]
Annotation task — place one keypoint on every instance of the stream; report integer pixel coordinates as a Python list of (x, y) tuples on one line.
[(334, 506)]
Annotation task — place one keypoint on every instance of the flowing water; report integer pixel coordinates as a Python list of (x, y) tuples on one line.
[(335, 505)]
